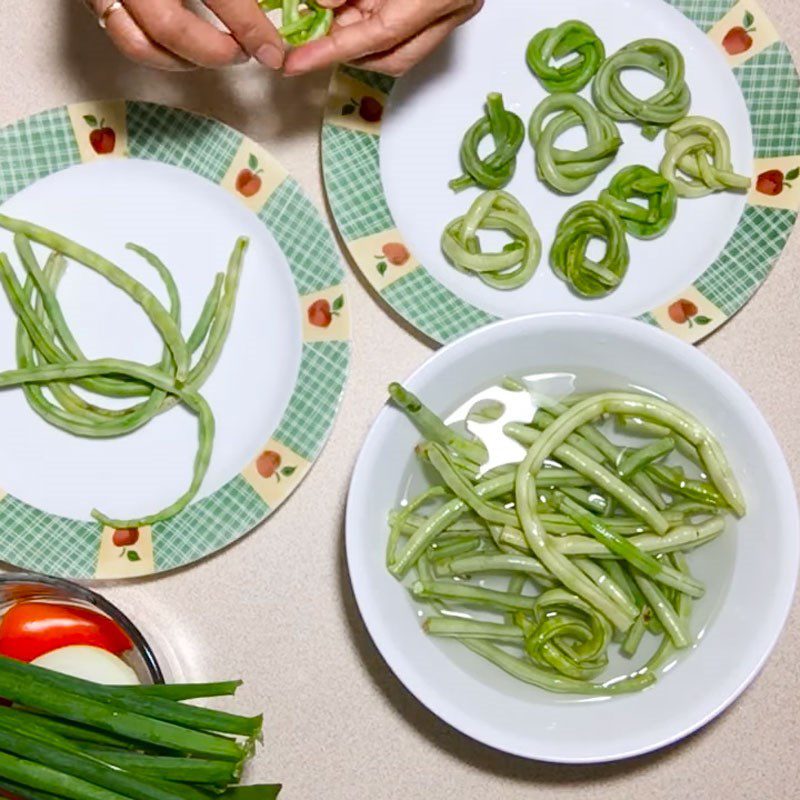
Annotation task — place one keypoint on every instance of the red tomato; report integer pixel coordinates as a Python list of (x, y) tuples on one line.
[(31, 629)]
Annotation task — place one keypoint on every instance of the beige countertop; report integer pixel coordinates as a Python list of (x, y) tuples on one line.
[(276, 609)]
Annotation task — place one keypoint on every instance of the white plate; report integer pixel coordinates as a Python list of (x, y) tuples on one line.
[(249, 394), (430, 110), (750, 571), (185, 187)]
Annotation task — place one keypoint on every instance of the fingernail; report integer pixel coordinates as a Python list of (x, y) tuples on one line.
[(270, 56)]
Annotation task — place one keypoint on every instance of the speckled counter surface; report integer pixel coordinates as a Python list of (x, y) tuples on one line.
[(277, 610)]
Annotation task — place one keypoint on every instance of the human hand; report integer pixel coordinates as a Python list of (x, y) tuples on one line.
[(388, 36), (167, 35)]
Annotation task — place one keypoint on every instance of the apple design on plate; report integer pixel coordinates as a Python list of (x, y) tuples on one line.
[(248, 181), (738, 40), (369, 109), (268, 465), (773, 181), (685, 311), (125, 537), (321, 312), (394, 253), (102, 138)]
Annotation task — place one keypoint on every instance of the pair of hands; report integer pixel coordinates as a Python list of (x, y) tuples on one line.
[(388, 36)]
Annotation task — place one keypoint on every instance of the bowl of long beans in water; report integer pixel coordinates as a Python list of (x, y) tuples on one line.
[(573, 537)]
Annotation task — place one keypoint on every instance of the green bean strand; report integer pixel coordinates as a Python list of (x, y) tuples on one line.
[(158, 315)]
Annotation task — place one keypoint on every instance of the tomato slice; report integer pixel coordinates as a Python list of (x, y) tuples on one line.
[(32, 629)]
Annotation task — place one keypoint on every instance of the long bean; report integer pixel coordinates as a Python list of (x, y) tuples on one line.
[(459, 628), (571, 38), (432, 427), (78, 369), (571, 171), (495, 170), (669, 104), (698, 159), (580, 225), (643, 222), (159, 316), (303, 20), (516, 263), (552, 681)]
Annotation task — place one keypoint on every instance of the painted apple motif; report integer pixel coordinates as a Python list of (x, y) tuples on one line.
[(268, 463), (321, 312), (774, 181), (248, 181), (369, 109), (125, 537), (396, 253), (685, 311), (738, 39), (102, 138)]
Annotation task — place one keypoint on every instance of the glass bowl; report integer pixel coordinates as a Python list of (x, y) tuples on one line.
[(15, 588)]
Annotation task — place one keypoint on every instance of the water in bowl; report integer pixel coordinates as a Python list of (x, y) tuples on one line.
[(484, 413)]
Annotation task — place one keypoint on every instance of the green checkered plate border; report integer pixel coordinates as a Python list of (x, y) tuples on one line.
[(768, 78), (81, 133)]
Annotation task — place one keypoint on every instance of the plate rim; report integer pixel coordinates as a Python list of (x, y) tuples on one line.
[(58, 138), (440, 315), (636, 329)]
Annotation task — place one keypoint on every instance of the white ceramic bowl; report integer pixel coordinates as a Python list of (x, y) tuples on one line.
[(750, 572)]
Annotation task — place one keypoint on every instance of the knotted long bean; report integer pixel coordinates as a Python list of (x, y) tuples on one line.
[(570, 37), (572, 171), (302, 20), (662, 60), (511, 268), (643, 222), (495, 170), (568, 256), (698, 159), (566, 634)]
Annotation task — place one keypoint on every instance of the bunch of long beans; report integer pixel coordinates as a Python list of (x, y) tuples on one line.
[(49, 357), (598, 530), (63, 737)]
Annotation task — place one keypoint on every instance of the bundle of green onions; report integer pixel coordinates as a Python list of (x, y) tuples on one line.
[(63, 737), (599, 530), (49, 357)]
